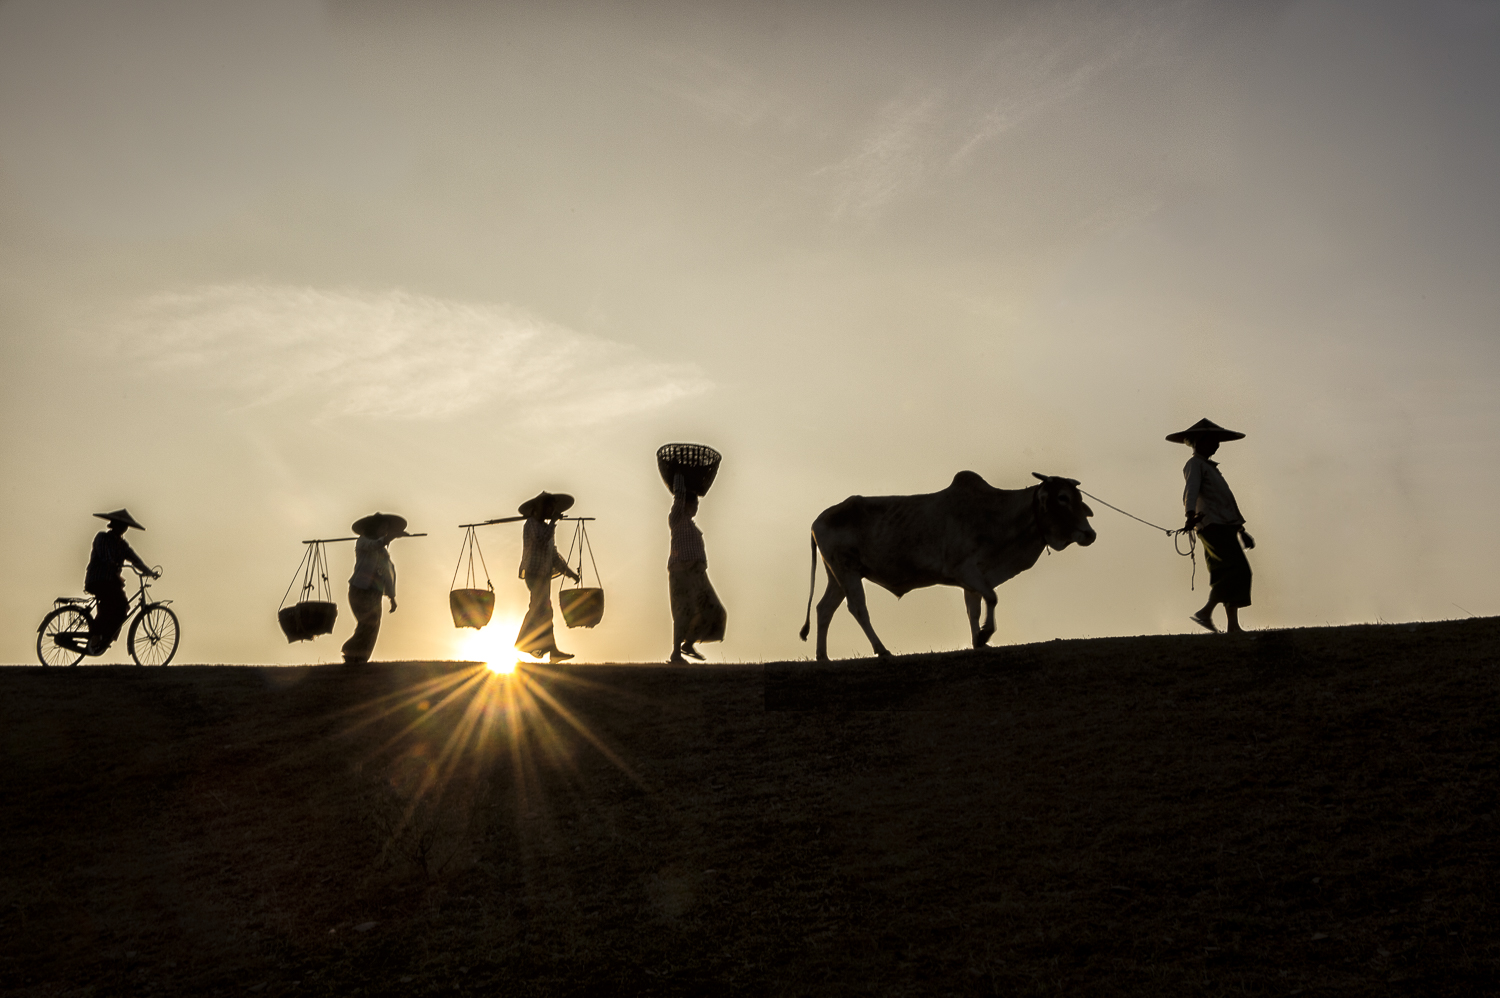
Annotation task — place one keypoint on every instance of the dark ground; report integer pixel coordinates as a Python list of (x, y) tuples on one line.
[(1302, 811)]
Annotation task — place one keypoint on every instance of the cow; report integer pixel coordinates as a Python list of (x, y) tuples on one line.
[(969, 535)]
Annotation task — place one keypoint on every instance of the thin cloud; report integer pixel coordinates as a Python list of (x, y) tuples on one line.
[(893, 155), (711, 86), (394, 355), (914, 141)]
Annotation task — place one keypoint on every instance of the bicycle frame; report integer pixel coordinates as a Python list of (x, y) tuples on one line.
[(138, 603)]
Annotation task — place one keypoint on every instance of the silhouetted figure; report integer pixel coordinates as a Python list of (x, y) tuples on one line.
[(374, 576), (1213, 513), (697, 614), (540, 564), (105, 581)]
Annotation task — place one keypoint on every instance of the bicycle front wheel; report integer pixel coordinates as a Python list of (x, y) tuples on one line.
[(153, 636), (63, 636)]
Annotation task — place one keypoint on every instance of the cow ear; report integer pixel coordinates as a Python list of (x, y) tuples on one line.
[(1039, 476)]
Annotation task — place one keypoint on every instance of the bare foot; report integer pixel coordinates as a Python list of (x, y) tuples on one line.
[(1204, 622), (559, 656), (677, 659), (692, 653)]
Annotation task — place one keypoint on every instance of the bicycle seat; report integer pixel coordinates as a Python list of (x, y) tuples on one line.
[(70, 599)]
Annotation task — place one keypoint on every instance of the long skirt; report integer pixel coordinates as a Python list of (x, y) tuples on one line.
[(365, 605), (697, 614), (536, 636), (1228, 568)]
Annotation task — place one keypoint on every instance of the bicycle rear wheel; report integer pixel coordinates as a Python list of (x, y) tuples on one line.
[(63, 636), (153, 636)]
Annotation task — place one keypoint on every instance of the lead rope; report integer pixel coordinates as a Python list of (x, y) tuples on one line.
[(1176, 536)]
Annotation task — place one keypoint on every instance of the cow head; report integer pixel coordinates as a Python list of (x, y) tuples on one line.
[(1062, 513)]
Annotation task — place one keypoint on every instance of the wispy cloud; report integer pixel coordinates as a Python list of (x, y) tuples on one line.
[(394, 355), (712, 86), (936, 128), (894, 154)]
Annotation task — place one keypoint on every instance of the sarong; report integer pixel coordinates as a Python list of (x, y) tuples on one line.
[(365, 605), (109, 616), (536, 636), (1228, 568), (697, 614)]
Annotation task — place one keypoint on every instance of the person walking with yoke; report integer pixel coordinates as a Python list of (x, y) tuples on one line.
[(105, 581), (540, 564), (374, 576), (1215, 516)]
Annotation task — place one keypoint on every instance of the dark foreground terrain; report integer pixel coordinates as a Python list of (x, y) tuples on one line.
[(1297, 812)]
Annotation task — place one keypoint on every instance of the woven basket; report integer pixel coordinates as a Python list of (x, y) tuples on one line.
[(582, 607), (305, 621), (471, 607), (696, 463)]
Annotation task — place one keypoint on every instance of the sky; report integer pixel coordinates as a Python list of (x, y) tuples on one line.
[(266, 268)]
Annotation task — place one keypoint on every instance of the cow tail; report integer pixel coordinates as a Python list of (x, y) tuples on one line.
[(812, 584)]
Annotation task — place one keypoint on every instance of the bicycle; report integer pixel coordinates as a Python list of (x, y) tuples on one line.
[(63, 637)]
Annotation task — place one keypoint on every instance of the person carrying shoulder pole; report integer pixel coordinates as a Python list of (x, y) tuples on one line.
[(1215, 516), (540, 564), (106, 583), (374, 576)]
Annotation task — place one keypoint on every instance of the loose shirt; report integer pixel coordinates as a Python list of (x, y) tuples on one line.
[(106, 560), (1208, 494), (539, 557), (373, 568)]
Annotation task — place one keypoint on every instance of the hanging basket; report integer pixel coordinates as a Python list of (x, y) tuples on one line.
[(471, 607), (305, 621), (581, 607), (696, 463), (314, 612)]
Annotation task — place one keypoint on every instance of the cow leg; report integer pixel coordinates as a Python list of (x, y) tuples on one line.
[(971, 604), (854, 591), (833, 597), (982, 636)]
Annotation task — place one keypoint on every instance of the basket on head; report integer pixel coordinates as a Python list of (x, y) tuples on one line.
[(696, 463)]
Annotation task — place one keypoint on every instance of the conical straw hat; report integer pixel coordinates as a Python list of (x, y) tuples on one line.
[(1204, 429), (120, 516), (546, 504), (379, 525)]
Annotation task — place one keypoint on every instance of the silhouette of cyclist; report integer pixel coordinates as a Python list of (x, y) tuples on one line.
[(105, 579)]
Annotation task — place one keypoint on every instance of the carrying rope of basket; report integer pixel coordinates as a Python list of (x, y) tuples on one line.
[(1176, 535), (471, 547), (581, 540), (313, 568)]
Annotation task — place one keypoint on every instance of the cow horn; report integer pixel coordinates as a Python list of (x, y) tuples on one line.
[(1039, 476)]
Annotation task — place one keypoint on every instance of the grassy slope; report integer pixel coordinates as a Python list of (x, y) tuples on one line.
[(1200, 815)]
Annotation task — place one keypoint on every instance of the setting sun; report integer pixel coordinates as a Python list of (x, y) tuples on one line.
[(494, 645)]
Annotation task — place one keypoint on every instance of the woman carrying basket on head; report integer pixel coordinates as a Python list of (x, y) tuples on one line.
[(540, 564), (697, 614)]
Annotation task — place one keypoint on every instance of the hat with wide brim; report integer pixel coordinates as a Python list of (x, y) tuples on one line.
[(546, 504), (379, 525), (1204, 429), (121, 516)]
